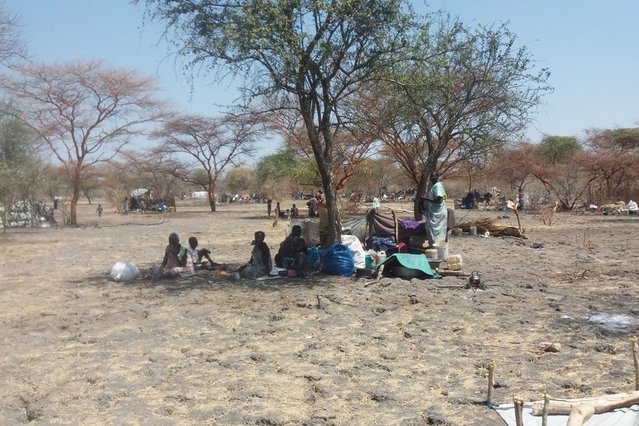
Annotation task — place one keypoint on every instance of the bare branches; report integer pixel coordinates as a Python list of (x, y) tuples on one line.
[(11, 45), (214, 144), (83, 111)]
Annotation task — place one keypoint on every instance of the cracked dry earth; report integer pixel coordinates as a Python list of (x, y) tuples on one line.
[(79, 348)]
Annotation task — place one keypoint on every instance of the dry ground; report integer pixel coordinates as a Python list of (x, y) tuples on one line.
[(79, 348)]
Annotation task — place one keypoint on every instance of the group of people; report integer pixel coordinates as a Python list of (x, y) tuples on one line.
[(290, 256), (292, 213), (183, 261)]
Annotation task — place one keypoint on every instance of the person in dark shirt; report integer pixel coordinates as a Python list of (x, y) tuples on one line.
[(291, 248)]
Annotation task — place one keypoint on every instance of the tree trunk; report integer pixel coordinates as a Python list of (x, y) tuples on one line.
[(420, 192), (86, 194), (5, 214), (74, 203), (333, 227), (211, 195)]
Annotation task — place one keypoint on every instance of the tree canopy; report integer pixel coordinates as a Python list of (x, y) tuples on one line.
[(317, 52), (213, 144), (558, 149), (84, 112), (468, 92)]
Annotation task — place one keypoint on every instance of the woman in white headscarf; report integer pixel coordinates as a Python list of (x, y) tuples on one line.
[(436, 214)]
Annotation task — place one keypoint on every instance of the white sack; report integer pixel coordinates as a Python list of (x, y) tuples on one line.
[(355, 246), (124, 271)]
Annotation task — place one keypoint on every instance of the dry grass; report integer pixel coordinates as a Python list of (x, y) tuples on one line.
[(78, 348)]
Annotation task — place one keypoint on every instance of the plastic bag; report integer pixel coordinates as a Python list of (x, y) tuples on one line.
[(338, 260), (355, 246), (313, 254), (124, 271)]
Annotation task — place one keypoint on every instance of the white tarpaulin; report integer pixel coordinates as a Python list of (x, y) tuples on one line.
[(139, 192), (620, 417), (199, 194)]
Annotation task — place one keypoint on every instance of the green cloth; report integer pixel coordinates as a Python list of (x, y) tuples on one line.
[(412, 261)]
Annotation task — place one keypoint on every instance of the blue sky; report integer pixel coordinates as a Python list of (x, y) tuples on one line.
[(590, 46)]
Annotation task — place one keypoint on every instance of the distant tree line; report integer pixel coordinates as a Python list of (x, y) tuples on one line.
[(364, 96)]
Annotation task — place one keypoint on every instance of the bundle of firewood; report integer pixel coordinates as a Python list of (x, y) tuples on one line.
[(493, 227)]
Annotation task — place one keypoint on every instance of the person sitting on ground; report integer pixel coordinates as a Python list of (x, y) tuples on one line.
[(294, 212), (260, 263), (198, 254), (291, 248), (176, 261)]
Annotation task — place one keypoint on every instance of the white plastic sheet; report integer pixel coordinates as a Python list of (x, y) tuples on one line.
[(620, 417)]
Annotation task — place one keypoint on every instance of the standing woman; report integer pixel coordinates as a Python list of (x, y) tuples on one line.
[(436, 214)]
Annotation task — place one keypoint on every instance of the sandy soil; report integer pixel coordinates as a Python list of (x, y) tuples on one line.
[(79, 348)]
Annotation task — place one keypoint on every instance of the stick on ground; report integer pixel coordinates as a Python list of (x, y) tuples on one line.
[(635, 357), (491, 383)]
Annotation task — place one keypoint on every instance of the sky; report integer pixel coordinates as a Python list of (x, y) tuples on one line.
[(591, 48)]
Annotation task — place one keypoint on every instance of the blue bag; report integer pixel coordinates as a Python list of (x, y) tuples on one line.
[(338, 260), (313, 254)]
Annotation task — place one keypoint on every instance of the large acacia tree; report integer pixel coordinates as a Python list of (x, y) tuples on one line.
[(315, 52), (212, 145), (468, 92), (84, 111)]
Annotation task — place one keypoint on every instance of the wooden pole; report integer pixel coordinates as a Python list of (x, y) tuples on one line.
[(635, 357), (396, 227), (518, 221), (519, 411), (544, 419), (491, 382)]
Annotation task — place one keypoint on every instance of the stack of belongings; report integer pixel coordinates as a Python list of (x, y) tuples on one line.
[(390, 234)]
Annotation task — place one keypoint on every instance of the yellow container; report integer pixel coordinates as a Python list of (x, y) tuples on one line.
[(171, 209)]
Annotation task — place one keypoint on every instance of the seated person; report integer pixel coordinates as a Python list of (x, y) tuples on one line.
[(291, 248), (260, 263), (294, 212), (280, 213), (176, 262), (197, 255)]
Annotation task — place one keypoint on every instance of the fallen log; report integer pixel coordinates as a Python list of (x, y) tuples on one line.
[(493, 227), (601, 404), (580, 414)]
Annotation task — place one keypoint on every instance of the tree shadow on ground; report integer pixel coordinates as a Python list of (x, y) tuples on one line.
[(211, 282)]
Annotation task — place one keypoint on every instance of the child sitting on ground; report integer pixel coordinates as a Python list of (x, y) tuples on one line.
[(197, 255)]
